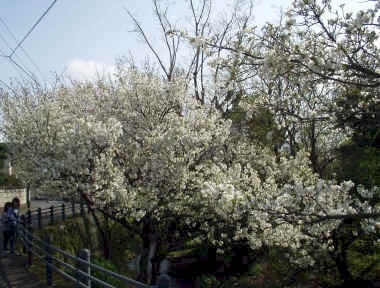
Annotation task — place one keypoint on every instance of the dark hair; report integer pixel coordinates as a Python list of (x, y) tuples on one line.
[(15, 201), (7, 206)]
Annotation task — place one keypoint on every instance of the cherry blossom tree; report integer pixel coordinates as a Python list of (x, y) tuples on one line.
[(170, 167), (303, 70)]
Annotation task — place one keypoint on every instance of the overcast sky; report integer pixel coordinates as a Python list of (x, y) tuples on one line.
[(83, 36)]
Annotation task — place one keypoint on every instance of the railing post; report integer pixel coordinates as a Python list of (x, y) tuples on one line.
[(49, 270), (85, 255), (39, 218), (51, 215), (81, 207), (29, 242), (63, 212), (73, 208), (28, 228), (29, 216), (22, 220), (23, 223)]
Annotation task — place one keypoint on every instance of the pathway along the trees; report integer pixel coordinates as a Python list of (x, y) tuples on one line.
[(78, 270)]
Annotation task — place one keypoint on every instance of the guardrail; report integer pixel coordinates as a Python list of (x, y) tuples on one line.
[(77, 269), (50, 215)]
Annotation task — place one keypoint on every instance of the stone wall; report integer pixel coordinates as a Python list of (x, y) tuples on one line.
[(6, 195)]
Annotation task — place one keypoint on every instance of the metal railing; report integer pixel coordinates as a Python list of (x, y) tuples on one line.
[(50, 215), (77, 269)]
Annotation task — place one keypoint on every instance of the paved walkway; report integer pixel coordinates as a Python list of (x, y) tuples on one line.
[(14, 273), (13, 270)]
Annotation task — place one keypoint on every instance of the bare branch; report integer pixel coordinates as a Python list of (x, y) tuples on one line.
[(147, 41)]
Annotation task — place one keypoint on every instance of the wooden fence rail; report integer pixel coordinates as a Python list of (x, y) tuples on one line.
[(77, 269)]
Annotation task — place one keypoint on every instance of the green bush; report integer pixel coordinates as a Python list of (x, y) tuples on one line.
[(104, 277)]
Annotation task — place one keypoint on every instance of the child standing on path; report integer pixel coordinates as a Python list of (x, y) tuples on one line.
[(6, 226), (13, 215)]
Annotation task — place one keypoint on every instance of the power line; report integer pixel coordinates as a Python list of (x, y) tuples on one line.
[(20, 67), (19, 58), (13, 66), (5, 41), (30, 75), (6, 85), (15, 63), (34, 26), (21, 47)]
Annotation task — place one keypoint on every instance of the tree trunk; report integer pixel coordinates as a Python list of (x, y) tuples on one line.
[(149, 251), (106, 238), (103, 231), (341, 261), (342, 239), (151, 267), (148, 269), (87, 225), (313, 147)]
